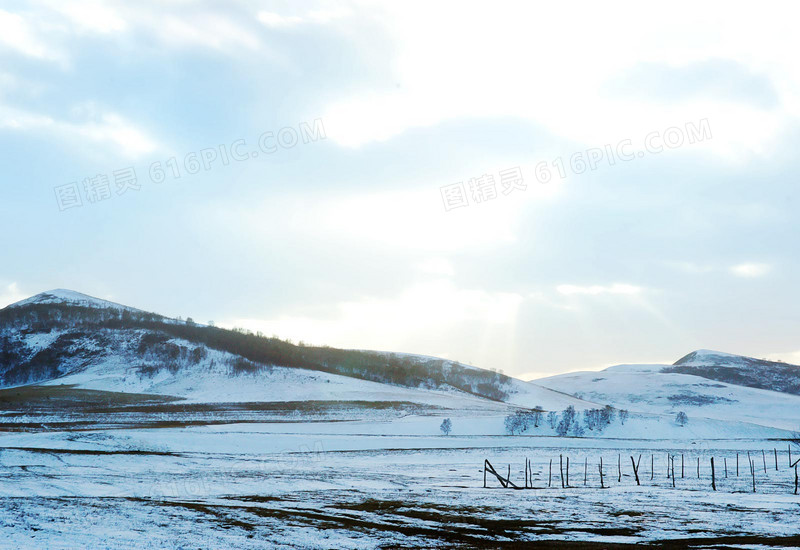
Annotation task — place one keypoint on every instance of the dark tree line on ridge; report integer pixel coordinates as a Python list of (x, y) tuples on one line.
[(260, 351)]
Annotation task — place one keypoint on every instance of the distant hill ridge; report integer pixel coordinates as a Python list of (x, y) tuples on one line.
[(62, 332), (740, 370)]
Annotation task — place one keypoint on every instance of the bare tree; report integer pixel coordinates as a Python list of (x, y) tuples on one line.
[(681, 419), (446, 426), (537, 412), (552, 419)]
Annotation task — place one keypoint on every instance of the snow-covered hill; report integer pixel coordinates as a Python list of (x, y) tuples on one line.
[(64, 337), (659, 389), (740, 370), (69, 297)]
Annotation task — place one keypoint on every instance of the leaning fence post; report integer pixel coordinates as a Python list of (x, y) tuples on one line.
[(505, 482), (550, 477), (764, 458), (726, 466), (635, 471), (776, 458)]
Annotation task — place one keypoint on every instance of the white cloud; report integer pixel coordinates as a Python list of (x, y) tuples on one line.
[(10, 294), (594, 290), (49, 29), (103, 128), (463, 62), (412, 220), (751, 270), (18, 34), (90, 16), (275, 20), (131, 141), (421, 310)]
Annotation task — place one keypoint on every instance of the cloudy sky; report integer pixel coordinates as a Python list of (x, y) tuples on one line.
[(532, 189)]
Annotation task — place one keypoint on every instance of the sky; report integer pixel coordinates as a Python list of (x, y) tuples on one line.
[(531, 188)]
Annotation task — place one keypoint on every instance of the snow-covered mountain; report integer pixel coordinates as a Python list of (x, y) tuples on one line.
[(69, 297), (740, 370), (64, 337), (704, 384)]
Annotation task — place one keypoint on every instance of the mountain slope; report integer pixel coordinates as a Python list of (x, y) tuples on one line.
[(69, 297), (64, 337), (740, 370), (658, 389)]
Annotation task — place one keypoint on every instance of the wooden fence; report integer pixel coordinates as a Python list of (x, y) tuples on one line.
[(714, 473)]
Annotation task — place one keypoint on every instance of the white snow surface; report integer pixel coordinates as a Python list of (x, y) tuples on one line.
[(644, 388), (207, 383)]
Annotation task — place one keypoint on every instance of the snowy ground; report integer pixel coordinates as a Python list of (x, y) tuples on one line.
[(388, 482), (645, 388)]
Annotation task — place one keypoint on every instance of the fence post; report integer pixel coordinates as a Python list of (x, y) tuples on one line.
[(585, 469), (526, 473), (601, 473), (567, 470), (673, 472), (713, 475), (635, 471)]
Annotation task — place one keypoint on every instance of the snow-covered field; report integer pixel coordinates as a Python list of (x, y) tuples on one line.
[(130, 437), (382, 483)]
